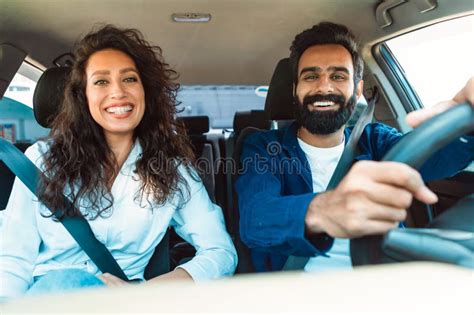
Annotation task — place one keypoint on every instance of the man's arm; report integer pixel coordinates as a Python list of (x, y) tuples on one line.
[(374, 196), (442, 164)]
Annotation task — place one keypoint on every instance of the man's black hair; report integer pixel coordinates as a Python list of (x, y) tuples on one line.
[(326, 33)]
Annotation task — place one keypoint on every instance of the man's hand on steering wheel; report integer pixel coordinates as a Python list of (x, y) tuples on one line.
[(371, 199), (415, 118)]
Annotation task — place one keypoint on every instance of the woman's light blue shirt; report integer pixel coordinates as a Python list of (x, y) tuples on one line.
[(32, 245)]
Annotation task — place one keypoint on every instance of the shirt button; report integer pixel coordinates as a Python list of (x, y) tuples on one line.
[(90, 268)]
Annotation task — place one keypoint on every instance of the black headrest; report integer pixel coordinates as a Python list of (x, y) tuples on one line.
[(195, 125), (279, 101), (253, 118), (49, 94)]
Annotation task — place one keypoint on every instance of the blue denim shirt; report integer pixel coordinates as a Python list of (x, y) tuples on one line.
[(275, 188)]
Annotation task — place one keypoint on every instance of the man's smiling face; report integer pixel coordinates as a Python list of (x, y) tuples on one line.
[(325, 92)]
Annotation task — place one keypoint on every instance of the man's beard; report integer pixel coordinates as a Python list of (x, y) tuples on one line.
[(324, 122)]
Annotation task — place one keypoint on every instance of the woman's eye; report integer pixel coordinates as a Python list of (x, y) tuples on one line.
[(130, 79), (100, 82)]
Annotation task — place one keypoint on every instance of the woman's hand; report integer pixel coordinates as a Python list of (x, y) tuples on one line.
[(112, 281), (177, 274)]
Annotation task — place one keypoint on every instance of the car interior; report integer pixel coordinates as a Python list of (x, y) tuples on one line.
[(242, 47)]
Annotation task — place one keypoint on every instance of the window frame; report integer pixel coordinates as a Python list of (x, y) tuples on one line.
[(406, 94), (397, 77)]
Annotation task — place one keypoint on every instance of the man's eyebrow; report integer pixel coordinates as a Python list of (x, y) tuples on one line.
[(310, 69), (331, 68), (339, 68)]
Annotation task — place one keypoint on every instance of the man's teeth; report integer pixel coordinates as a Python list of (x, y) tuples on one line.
[(323, 104), (119, 109)]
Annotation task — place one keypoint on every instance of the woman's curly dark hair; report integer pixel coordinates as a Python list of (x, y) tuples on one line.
[(80, 164)]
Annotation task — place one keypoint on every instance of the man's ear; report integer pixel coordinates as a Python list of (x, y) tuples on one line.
[(359, 88), (294, 90)]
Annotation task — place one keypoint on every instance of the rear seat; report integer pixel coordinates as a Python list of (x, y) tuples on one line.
[(253, 118), (242, 121), (256, 119), (197, 127), (277, 111)]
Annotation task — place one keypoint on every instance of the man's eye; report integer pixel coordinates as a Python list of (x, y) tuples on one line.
[(338, 77), (130, 79), (310, 77), (101, 82)]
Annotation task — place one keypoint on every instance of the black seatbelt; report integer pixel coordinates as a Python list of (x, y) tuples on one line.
[(78, 227), (351, 150), (229, 173)]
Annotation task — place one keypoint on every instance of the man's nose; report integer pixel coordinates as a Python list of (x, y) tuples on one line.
[(324, 85)]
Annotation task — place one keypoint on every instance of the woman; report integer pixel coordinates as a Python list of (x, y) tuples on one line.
[(116, 152)]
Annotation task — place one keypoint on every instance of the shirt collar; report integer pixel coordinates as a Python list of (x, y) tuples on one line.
[(133, 156), (290, 139)]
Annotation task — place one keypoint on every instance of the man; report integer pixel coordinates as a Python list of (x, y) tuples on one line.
[(284, 209)]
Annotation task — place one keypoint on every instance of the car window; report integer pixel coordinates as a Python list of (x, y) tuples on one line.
[(17, 120), (220, 102), (437, 60)]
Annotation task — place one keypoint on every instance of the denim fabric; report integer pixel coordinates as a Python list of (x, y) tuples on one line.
[(275, 189), (57, 281)]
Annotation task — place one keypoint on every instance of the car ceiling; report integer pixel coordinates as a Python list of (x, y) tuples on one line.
[(240, 45)]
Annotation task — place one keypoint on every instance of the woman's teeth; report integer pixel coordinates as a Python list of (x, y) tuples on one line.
[(119, 109)]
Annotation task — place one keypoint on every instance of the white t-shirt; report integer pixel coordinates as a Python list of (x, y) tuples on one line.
[(323, 162)]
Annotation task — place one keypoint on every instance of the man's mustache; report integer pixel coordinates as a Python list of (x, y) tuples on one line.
[(337, 99)]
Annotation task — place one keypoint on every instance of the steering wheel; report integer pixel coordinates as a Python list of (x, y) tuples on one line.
[(449, 241)]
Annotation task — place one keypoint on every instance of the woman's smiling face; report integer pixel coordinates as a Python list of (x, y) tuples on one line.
[(114, 92)]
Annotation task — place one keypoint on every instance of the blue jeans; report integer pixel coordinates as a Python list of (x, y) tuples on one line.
[(64, 280)]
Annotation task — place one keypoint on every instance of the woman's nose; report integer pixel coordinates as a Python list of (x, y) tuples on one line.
[(117, 91)]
